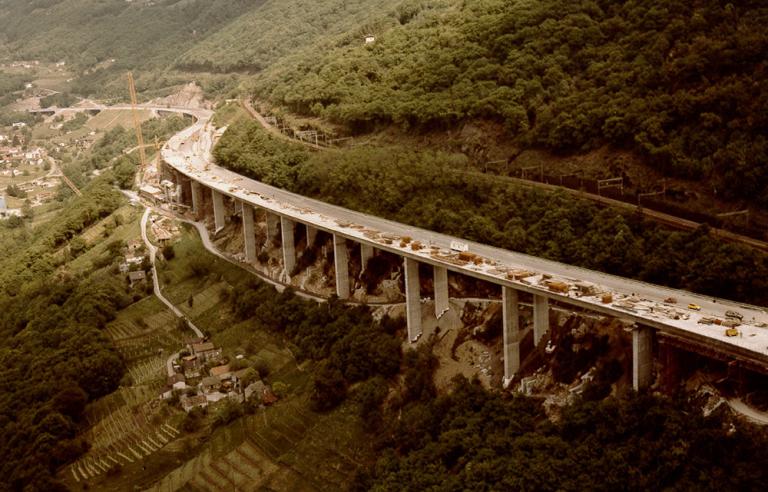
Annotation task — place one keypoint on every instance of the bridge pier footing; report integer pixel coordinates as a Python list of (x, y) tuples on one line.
[(218, 210), (642, 357), (341, 264), (511, 333), (412, 299), (249, 234), (289, 247), (440, 282), (540, 318)]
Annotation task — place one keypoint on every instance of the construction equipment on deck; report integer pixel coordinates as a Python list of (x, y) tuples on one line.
[(137, 127)]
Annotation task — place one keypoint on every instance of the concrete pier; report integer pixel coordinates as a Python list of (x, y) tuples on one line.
[(341, 263), (440, 282), (311, 236), (288, 244), (412, 299), (511, 333), (273, 222), (249, 234), (366, 253), (218, 210), (197, 198), (642, 357), (540, 318)]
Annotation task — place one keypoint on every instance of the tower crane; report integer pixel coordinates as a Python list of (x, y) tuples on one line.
[(137, 127)]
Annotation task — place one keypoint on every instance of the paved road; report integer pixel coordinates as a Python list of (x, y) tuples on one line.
[(752, 414), (155, 281)]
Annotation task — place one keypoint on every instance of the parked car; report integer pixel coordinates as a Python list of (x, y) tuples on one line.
[(695, 307)]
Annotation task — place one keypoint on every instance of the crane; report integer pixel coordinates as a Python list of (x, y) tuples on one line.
[(137, 127)]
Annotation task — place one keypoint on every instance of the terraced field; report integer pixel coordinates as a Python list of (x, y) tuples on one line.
[(286, 447), (131, 424)]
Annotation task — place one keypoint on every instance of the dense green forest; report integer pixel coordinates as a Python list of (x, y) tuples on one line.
[(471, 439), (261, 37), (430, 190), (53, 356), (681, 83)]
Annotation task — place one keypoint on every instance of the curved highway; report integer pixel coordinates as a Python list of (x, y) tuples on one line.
[(189, 153)]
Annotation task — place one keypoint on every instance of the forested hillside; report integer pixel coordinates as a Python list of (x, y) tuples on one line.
[(681, 83), (431, 190), (259, 38)]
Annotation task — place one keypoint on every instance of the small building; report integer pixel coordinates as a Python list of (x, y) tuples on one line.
[(222, 372), (205, 351), (370, 38), (190, 402), (176, 378), (136, 277), (152, 193), (210, 384)]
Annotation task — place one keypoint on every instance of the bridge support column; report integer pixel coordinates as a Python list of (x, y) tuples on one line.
[(218, 210), (642, 357), (341, 263), (440, 282), (249, 235), (273, 220), (540, 318), (289, 247), (197, 198), (366, 253), (511, 333), (311, 236), (412, 299)]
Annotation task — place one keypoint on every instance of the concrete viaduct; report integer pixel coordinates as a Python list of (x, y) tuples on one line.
[(206, 187)]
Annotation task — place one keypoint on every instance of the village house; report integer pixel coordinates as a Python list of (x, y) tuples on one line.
[(136, 277), (190, 402), (210, 384), (205, 351), (222, 372)]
